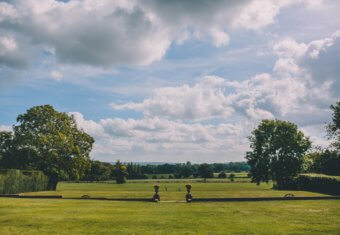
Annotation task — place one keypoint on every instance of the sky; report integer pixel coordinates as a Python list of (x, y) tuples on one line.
[(172, 81)]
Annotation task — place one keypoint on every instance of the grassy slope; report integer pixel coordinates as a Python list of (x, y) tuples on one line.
[(175, 191), (31, 216)]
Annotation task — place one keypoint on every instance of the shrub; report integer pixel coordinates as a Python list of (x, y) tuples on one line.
[(222, 175), (319, 183), (154, 177), (231, 177), (17, 181), (177, 176)]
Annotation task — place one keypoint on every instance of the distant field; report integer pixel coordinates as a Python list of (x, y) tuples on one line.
[(168, 191), (237, 174), (53, 216)]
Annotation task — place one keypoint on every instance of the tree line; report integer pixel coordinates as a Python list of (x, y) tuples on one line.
[(100, 171)]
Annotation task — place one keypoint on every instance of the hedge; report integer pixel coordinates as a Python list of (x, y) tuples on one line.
[(319, 183), (18, 181)]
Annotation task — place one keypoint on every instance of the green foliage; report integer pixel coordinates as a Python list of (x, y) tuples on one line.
[(333, 128), (186, 170), (222, 175), (232, 177), (205, 171), (99, 171), (16, 181), (120, 173), (50, 141), (6, 142), (319, 183), (277, 150), (135, 172), (324, 162)]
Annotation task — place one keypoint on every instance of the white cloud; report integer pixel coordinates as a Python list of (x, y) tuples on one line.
[(202, 101), (107, 33), (10, 54), (56, 75), (7, 44), (159, 139), (173, 115), (290, 48)]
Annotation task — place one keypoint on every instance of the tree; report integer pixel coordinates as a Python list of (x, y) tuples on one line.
[(6, 141), (277, 150), (205, 171), (50, 141), (231, 177), (98, 171), (222, 175), (120, 172), (186, 171), (333, 128)]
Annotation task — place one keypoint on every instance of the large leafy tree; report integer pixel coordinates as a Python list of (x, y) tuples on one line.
[(50, 141), (277, 150)]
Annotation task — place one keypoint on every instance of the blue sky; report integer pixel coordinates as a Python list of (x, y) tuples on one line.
[(172, 80)]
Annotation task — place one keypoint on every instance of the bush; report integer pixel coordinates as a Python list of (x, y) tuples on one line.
[(319, 183), (231, 177), (17, 181), (222, 175)]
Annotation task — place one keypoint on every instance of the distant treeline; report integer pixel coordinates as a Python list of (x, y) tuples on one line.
[(178, 168), (100, 171)]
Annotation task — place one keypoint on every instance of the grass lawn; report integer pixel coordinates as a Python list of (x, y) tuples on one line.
[(47, 216), (168, 191), (42, 216)]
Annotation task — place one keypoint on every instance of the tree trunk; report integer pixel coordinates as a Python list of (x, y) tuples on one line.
[(52, 182)]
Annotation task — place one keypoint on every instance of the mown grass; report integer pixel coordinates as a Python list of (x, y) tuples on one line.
[(47, 216), (168, 191), (236, 174), (52, 216)]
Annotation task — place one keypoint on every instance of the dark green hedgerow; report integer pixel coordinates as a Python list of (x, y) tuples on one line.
[(319, 183), (18, 181)]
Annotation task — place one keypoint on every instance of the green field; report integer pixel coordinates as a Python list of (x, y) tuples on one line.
[(33, 216), (168, 190)]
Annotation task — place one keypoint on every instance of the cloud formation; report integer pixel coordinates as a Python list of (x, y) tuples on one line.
[(293, 91), (162, 139), (107, 33)]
